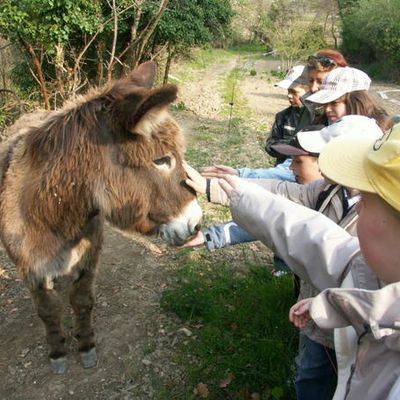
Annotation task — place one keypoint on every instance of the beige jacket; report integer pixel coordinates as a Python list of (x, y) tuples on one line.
[(323, 253), (306, 195)]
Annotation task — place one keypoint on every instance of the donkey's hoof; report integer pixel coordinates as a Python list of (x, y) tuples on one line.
[(89, 358), (58, 365)]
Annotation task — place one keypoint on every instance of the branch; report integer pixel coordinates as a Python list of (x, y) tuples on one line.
[(142, 39), (114, 42), (99, 30), (38, 66)]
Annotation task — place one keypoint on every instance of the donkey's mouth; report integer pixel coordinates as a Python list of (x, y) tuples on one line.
[(176, 233)]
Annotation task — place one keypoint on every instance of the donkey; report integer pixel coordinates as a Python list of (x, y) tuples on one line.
[(114, 155)]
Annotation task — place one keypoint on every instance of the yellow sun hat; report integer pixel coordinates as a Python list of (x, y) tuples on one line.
[(365, 163)]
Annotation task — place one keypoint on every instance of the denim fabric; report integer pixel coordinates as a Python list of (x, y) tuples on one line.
[(227, 234), (316, 371), (281, 172)]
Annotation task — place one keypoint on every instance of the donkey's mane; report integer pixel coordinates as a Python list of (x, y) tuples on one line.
[(62, 131), (80, 124)]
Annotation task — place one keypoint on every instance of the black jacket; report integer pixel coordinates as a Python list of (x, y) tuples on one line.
[(283, 130)]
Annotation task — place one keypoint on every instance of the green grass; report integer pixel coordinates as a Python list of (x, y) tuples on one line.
[(236, 310), (250, 48), (198, 60), (240, 327), (234, 101)]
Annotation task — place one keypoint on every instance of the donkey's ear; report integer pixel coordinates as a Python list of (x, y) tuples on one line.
[(153, 111), (144, 75)]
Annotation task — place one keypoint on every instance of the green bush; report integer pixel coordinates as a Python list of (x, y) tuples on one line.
[(371, 33)]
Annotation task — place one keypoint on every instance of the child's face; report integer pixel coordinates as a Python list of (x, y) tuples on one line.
[(294, 95), (378, 229), (305, 169), (315, 79), (335, 110)]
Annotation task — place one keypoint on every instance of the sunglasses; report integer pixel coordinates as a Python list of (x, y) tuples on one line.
[(324, 61)]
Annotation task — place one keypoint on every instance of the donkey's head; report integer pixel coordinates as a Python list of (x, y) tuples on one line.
[(144, 189)]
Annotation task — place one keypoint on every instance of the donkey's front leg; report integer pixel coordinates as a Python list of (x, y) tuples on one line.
[(82, 301), (50, 309)]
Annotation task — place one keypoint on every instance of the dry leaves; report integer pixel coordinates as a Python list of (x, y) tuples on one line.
[(226, 381), (201, 390)]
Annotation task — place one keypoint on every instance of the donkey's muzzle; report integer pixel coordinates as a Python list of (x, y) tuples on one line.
[(178, 231)]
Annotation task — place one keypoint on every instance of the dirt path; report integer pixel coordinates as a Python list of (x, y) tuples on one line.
[(136, 341)]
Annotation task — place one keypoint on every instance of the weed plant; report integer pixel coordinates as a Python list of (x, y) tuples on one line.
[(241, 330)]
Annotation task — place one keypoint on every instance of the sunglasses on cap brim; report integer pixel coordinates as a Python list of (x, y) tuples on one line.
[(324, 61)]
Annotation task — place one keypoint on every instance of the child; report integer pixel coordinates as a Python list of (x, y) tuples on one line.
[(344, 92), (319, 65), (284, 127), (328, 256), (316, 377)]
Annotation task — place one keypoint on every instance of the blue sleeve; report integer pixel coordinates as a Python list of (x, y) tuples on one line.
[(224, 235), (281, 172)]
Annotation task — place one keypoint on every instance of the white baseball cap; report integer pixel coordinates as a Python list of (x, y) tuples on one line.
[(339, 82), (296, 75), (315, 141)]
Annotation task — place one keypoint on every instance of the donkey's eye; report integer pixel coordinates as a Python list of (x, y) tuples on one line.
[(166, 160)]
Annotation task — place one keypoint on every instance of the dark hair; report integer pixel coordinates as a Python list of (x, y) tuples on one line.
[(326, 60), (360, 102)]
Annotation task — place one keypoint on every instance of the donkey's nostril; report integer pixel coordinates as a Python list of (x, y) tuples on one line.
[(197, 227)]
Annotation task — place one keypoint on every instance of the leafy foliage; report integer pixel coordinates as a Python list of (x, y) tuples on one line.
[(72, 43), (48, 22), (371, 33)]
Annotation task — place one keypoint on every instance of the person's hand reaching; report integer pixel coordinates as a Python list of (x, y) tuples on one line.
[(299, 314), (218, 171), (195, 180), (195, 241), (229, 182)]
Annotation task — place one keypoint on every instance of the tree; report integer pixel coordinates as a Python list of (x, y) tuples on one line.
[(191, 23), (294, 30), (371, 33), (69, 44), (63, 39), (46, 30)]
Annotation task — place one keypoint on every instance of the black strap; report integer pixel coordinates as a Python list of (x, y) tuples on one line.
[(208, 194), (327, 192), (323, 196)]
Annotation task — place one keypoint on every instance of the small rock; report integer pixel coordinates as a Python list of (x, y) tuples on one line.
[(185, 331), (146, 362), (24, 352)]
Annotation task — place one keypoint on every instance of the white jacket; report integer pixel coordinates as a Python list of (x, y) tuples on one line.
[(322, 253)]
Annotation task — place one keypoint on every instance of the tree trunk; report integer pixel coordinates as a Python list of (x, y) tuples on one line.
[(168, 64), (110, 65), (100, 67), (39, 71), (60, 75), (139, 44)]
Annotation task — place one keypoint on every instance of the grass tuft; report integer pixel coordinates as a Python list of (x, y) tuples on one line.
[(241, 329)]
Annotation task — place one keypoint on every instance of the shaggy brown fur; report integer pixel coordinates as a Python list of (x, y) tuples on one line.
[(115, 155)]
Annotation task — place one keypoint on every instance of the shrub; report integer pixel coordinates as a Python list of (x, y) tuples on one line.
[(371, 33)]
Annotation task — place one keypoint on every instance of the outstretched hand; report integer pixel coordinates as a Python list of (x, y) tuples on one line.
[(229, 182), (218, 171), (195, 180), (299, 314), (195, 241)]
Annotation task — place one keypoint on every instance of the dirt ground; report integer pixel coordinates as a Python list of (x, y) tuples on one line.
[(136, 341)]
